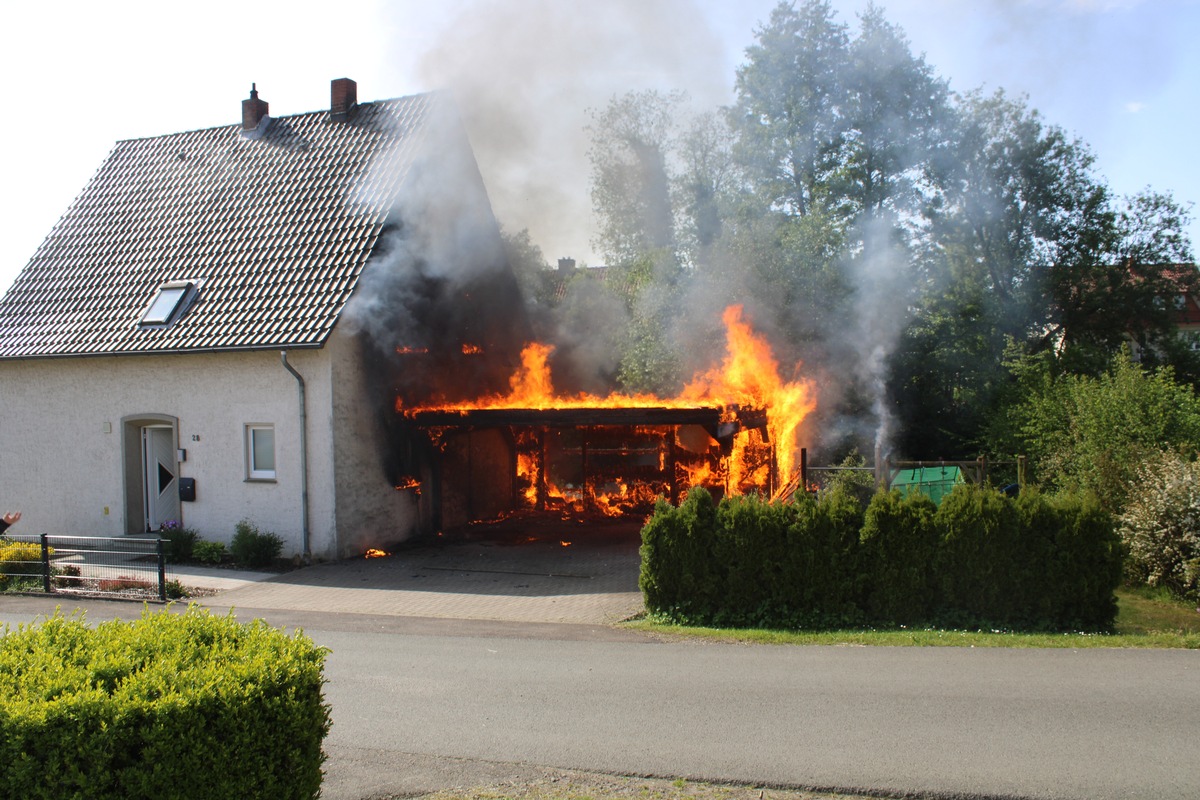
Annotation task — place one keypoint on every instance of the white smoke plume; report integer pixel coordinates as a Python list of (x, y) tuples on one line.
[(526, 73)]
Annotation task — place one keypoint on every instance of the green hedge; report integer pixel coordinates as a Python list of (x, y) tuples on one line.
[(978, 560), (172, 705), (897, 548)]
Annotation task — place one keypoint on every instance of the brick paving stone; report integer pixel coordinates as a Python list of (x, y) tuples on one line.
[(507, 576)]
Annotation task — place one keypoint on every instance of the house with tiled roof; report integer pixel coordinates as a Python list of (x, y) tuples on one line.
[(182, 346), (1181, 306), (1184, 307), (619, 282)]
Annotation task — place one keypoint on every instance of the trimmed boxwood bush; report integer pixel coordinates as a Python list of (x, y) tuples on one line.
[(172, 705), (679, 568), (747, 562), (980, 559), (750, 543), (1087, 564)]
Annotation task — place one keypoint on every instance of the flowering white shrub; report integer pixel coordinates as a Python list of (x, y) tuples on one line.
[(1161, 525)]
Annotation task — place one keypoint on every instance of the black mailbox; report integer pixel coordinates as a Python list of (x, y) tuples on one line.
[(187, 490)]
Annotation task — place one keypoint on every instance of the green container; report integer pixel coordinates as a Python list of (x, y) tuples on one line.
[(933, 482)]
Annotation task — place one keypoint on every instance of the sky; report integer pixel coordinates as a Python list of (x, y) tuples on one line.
[(1121, 75)]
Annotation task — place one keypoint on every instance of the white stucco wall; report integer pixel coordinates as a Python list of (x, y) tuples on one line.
[(61, 459), (62, 462)]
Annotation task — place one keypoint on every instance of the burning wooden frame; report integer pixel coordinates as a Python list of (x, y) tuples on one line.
[(490, 463), (534, 449)]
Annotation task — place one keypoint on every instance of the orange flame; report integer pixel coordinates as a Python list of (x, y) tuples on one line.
[(412, 351), (409, 483), (528, 472), (700, 474), (748, 377), (374, 553), (471, 349)]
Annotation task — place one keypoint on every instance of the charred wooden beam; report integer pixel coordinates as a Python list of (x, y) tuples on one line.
[(742, 419), (566, 417)]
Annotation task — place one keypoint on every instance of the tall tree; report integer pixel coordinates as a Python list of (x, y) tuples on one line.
[(1161, 270), (897, 114), (706, 177), (790, 108), (1021, 210), (631, 143), (1030, 249)]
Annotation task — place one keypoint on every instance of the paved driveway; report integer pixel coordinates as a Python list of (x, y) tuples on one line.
[(564, 572)]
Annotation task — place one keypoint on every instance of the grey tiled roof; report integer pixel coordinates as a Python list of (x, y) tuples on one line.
[(277, 230)]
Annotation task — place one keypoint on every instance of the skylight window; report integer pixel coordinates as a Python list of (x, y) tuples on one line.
[(169, 303)]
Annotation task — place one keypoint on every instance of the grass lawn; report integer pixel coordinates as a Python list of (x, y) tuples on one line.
[(1145, 618)]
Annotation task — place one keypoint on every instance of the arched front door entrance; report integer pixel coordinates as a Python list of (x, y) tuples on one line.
[(151, 472)]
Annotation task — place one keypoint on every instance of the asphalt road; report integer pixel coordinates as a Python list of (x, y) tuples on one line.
[(423, 704)]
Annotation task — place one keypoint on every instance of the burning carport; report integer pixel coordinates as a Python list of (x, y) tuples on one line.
[(491, 463), (534, 451)]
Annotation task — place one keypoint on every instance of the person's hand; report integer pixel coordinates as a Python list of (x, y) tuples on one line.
[(12, 518)]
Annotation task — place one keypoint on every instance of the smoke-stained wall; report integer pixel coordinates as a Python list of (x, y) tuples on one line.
[(438, 309)]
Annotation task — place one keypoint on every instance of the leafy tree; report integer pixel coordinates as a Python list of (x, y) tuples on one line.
[(792, 267), (528, 264), (1092, 433), (1019, 211), (897, 117), (648, 362), (634, 191), (836, 136), (702, 186), (630, 175), (947, 380), (1027, 247), (1159, 255), (1126, 293), (790, 109)]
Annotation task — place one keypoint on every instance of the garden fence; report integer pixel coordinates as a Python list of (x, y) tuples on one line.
[(129, 566)]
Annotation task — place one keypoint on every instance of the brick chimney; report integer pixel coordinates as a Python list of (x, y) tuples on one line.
[(343, 97), (253, 110)]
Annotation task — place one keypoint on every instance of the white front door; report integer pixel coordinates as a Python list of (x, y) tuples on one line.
[(160, 476)]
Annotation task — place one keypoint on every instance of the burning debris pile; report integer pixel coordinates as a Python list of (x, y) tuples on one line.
[(732, 429)]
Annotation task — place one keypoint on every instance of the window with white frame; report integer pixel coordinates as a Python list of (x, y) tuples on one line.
[(260, 452)]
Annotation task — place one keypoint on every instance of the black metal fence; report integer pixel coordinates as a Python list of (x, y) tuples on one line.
[(130, 566)]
